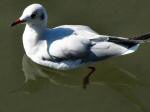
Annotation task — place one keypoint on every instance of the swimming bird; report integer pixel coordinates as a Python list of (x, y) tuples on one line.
[(69, 46)]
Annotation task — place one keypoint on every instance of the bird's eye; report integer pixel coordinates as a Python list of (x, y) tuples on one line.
[(33, 16)]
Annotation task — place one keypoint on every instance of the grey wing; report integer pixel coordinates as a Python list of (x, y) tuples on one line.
[(69, 49), (92, 49), (74, 45), (84, 43), (114, 46)]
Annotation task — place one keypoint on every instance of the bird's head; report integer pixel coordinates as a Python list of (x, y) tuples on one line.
[(34, 14)]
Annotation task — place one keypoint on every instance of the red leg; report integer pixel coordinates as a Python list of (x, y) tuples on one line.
[(86, 79)]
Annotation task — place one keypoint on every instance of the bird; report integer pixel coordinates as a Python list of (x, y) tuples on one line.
[(69, 47)]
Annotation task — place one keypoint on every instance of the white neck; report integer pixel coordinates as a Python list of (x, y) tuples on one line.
[(31, 37)]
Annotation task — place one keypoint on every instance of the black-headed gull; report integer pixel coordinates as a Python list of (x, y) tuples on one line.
[(69, 46)]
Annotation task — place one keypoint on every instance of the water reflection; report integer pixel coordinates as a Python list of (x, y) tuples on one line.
[(36, 73), (118, 79)]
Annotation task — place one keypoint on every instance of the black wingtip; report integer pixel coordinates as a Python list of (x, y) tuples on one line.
[(142, 37)]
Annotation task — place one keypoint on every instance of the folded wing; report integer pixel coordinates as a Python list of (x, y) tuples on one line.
[(87, 45)]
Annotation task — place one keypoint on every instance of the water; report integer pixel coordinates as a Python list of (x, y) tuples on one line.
[(119, 84)]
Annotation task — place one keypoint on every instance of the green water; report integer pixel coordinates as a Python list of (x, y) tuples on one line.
[(119, 85)]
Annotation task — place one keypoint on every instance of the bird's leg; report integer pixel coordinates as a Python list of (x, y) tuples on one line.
[(86, 79)]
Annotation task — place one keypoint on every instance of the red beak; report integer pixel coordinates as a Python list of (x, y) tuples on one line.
[(18, 21)]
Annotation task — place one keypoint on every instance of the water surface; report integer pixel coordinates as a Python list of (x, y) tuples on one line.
[(119, 85)]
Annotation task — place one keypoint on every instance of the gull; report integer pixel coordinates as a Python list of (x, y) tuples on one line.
[(69, 46)]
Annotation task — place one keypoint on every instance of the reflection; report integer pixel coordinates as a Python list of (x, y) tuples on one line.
[(124, 83), (109, 74), (116, 78), (34, 72)]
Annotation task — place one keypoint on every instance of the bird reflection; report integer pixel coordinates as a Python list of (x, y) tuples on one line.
[(121, 81), (35, 72), (113, 75)]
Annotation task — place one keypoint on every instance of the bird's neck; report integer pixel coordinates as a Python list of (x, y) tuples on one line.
[(31, 38), (37, 29)]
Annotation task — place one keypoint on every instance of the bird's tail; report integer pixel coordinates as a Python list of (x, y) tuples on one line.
[(143, 38), (137, 41)]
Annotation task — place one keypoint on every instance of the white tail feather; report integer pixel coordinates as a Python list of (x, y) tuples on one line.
[(132, 49)]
